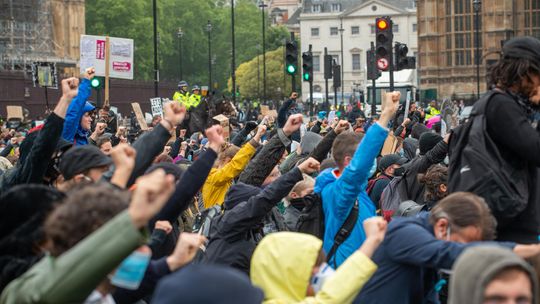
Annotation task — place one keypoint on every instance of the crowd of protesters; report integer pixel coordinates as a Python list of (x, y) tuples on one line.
[(335, 208)]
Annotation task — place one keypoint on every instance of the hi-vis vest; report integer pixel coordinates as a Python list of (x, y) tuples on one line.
[(194, 101), (182, 98)]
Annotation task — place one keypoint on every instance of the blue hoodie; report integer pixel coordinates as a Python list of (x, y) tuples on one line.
[(73, 132), (408, 260), (340, 194)]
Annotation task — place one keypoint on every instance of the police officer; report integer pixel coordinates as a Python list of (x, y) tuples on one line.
[(182, 95), (194, 98)]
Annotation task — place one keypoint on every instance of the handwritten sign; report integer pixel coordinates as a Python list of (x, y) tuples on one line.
[(140, 116)]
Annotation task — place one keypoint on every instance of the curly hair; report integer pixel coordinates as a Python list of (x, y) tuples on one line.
[(83, 212), (509, 72), (435, 176)]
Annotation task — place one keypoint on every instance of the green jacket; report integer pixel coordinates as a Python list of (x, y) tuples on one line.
[(73, 276)]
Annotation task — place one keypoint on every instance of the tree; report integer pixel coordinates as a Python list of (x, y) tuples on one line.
[(133, 19), (278, 83)]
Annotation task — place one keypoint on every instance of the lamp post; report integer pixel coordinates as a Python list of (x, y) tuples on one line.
[(477, 5), (156, 68), (258, 47), (262, 5), (180, 34), (209, 30), (233, 53), (341, 30)]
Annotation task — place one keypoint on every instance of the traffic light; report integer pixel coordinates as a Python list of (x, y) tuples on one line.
[(307, 65), (96, 83), (336, 69), (291, 57), (383, 42), (373, 72), (402, 60), (327, 66)]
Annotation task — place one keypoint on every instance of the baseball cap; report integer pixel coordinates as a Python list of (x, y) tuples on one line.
[(391, 159), (82, 158)]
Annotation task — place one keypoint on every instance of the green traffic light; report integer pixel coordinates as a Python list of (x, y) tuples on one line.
[(291, 69), (306, 76), (95, 83)]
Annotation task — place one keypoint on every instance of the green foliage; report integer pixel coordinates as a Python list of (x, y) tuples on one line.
[(133, 19), (278, 84)]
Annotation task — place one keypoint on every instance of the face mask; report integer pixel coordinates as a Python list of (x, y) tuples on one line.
[(401, 152), (131, 272), (325, 272), (399, 171)]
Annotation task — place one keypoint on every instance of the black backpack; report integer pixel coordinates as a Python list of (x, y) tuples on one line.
[(311, 221), (476, 166)]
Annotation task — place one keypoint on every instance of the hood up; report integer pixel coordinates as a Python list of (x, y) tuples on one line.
[(282, 265), (477, 266)]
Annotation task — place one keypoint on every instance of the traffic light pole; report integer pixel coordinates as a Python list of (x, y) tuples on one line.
[(326, 105), (311, 88), (373, 84)]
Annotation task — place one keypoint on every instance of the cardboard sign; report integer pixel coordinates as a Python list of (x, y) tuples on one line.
[(223, 122), (15, 112), (390, 145), (93, 54), (140, 116), (157, 106)]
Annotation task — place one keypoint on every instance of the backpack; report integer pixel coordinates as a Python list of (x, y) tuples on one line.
[(372, 183), (392, 197), (476, 166), (203, 220), (311, 221), (409, 209)]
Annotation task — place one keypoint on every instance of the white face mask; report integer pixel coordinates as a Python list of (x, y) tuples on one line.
[(325, 272)]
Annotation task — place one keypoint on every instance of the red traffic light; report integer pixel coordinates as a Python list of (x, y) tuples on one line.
[(382, 24)]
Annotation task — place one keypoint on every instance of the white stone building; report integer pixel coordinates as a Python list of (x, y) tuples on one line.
[(320, 24)]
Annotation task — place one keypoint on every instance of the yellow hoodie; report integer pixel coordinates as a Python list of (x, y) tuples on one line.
[(219, 180), (282, 266)]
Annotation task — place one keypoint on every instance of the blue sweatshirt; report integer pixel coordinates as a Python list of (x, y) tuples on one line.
[(73, 132), (340, 193), (408, 260)]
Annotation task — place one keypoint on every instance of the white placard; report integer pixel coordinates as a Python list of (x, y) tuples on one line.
[(93, 55), (156, 106)]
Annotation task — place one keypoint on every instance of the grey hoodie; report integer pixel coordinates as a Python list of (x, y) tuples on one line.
[(477, 266)]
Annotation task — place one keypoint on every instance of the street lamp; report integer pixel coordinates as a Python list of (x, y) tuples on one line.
[(156, 67), (180, 34), (341, 30), (262, 5), (477, 5), (209, 30), (233, 55), (258, 47)]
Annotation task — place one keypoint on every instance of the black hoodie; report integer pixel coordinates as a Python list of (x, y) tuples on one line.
[(233, 239)]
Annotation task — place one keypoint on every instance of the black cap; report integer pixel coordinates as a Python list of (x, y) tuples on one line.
[(523, 47), (391, 159), (82, 158)]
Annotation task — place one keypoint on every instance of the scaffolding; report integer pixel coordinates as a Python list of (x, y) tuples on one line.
[(26, 34)]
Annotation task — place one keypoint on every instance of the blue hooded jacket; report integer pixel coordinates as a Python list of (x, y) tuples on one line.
[(73, 132), (408, 260), (340, 193)]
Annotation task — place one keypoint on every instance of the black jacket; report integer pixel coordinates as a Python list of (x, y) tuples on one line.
[(264, 162), (519, 145), (33, 164), (409, 183), (190, 183), (319, 153), (235, 237)]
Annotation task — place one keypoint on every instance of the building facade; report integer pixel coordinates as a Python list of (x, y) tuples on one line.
[(324, 23), (447, 41)]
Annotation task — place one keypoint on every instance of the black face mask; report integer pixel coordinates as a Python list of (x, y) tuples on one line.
[(399, 171), (298, 203)]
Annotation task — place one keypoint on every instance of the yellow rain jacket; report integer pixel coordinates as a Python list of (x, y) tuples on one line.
[(282, 265), (220, 180)]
